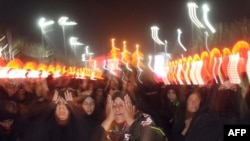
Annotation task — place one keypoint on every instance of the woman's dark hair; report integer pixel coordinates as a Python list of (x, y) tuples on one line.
[(85, 96), (121, 94), (8, 109)]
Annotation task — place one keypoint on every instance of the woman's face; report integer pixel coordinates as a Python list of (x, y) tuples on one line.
[(6, 124), (171, 95), (118, 109), (193, 102), (88, 105), (62, 111)]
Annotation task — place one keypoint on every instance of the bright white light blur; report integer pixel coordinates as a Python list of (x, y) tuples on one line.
[(192, 14), (198, 72), (192, 73), (205, 17), (139, 58), (74, 41), (149, 63), (43, 23), (64, 21), (179, 40), (154, 33), (159, 64), (232, 70)]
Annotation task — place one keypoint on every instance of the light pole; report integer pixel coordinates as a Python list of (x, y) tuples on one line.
[(86, 57), (73, 42), (42, 24), (63, 21)]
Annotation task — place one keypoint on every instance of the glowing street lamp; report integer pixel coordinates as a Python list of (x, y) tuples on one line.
[(63, 21), (154, 35), (86, 57), (205, 17), (73, 41), (43, 24)]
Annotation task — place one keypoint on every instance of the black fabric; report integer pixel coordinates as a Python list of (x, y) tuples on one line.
[(205, 127), (46, 128)]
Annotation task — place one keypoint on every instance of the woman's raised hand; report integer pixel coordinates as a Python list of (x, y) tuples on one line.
[(129, 110), (56, 98), (68, 95), (109, 114)]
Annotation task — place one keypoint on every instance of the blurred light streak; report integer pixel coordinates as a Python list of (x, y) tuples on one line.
[(154, 31), (179, 40), (192, 14), (205, 16)]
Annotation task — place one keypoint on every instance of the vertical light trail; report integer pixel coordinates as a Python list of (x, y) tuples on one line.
[(154, 30), (192, 14), (139, 58), (179, 40), (205, 17)]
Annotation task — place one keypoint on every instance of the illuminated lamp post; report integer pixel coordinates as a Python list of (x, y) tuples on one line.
[(87, 56), (73, 42), (43, 24), (63, 21)]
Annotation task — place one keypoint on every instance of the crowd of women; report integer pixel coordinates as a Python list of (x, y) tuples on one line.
[(114, 109)]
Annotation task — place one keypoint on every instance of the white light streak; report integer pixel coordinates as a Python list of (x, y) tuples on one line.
[(165, 46), (139, 58), (205, 17), (206, 36), (149, 63), (192, 14), (154, 34), (192, 73), (179, 40), (73, 41), (198, 72), (113, 44), (43, 23), (64, 21), (232, 69), (124, 52)]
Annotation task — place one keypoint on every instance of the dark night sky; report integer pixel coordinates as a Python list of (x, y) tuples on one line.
[(99, 21)]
